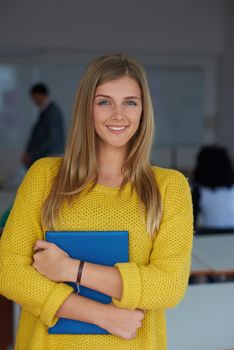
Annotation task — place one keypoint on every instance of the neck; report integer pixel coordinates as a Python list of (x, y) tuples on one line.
[(45, 103), (110, 161)]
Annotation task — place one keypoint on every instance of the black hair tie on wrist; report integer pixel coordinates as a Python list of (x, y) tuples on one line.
[(79, 275)]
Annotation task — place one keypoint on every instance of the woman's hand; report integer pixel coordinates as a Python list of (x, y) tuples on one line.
[(121, 322), (52, 262)]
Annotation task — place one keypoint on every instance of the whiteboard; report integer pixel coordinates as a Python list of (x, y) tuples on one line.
[(177, 96)]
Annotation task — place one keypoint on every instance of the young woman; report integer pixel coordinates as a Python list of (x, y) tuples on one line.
[(103, 182)]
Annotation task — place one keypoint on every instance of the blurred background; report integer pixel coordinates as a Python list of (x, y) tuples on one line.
[(187, 48)]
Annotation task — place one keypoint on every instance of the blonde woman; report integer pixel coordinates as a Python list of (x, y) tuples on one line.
[(104, 182)]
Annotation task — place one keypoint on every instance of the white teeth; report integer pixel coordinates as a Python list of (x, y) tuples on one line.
[(117, 128)]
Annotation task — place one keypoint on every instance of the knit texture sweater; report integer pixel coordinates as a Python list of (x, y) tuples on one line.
[(155, 278)]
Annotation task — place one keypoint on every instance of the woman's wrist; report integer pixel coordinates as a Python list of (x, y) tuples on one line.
[(71, 270), (77, 307), (102, 315)]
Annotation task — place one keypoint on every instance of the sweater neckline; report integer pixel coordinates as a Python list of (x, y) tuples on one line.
[(107, 189)]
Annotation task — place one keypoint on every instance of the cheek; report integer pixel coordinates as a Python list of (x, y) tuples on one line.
[(137, 121), (99, 115), (98, 120), (135, 117)]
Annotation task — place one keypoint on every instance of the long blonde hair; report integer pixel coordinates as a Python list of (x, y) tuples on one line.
[(79, 164)]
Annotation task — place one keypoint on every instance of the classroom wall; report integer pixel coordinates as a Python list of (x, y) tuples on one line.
[(156, 25), (179, 110)]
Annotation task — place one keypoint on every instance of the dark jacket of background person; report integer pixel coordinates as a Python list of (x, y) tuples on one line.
[(213, 175), (47, 136)]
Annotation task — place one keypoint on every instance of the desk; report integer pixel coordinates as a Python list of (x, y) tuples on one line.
[(5, 323), (204, 320), (213, 255)]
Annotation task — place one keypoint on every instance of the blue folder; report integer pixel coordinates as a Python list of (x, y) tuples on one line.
[(98, 247)]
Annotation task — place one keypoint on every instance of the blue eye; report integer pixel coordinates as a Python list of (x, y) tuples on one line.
[(131, 103), (103, 102)]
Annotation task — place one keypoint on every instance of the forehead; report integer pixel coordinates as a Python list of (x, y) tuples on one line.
[(124, 86)]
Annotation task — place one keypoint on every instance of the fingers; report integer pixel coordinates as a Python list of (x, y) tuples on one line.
[(40, 244), (132, 336), (129, 336), (35, 266), (141, 310), (141, 313), (139, 325), (38, 253)]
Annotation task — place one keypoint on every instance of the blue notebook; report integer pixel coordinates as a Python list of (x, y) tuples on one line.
[(98, 247)]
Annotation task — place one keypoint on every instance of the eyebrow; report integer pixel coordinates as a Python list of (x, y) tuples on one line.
[(128, 97)]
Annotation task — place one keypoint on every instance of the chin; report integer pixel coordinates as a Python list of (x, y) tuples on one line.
[(118, 145)]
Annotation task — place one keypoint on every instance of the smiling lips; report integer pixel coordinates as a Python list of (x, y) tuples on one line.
[(117, 130)]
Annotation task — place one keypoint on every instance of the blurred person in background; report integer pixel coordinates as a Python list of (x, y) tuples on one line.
[(47, 135), (46, 138), (213, 190)]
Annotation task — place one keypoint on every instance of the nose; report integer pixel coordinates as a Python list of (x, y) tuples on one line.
[(118, 112)]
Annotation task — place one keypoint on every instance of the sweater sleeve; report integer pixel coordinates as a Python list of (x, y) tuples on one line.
[(163, 282), (19, 281)]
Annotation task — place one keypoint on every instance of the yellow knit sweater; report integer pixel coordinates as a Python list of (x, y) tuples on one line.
[(154, 279)]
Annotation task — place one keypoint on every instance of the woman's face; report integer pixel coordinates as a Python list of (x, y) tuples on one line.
[(117, 110)]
